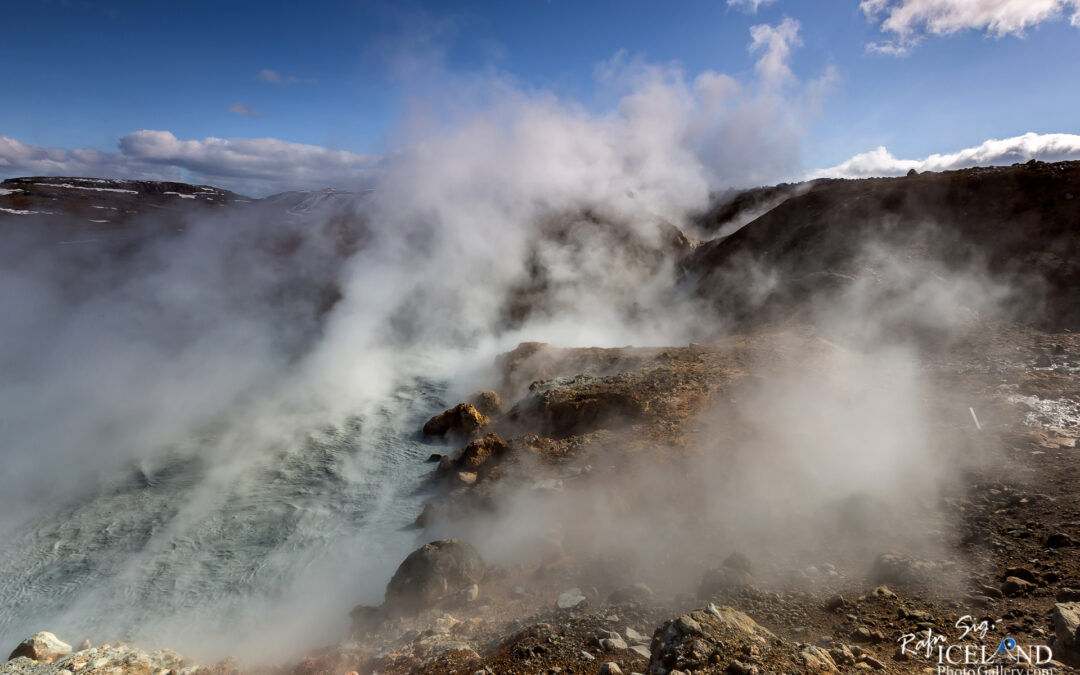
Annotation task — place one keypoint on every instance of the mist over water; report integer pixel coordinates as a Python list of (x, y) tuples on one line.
[(210, 439)]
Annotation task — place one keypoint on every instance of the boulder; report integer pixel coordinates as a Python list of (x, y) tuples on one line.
[(639, 592), (461, 420), (1059, 540), (42, 646), (433, 573), (722, 580), (571, 599), (487, 403), (477, 453), (1015, 586), (1066, 617)]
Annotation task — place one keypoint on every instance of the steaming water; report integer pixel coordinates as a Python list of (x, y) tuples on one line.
[(215, 557)]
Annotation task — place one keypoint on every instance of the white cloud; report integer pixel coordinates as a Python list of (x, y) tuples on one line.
[(880, 162), (907, 21), (749, 6), (245, 110), (274, 77), (251, 165), (776, 42)]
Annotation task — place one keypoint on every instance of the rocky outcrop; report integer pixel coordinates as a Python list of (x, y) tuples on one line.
[(462, 421), (119, 659), (43, 646), (725, 640), (433, 573), (814, 240)]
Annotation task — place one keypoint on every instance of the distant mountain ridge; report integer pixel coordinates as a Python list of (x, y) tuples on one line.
[(105, 201)]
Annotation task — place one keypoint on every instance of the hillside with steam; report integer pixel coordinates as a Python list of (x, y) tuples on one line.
[(609, 425)]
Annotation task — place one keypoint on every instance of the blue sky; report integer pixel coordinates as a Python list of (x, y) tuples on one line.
[(85, 74)]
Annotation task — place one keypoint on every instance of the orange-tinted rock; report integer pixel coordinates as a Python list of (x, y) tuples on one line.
[(487, 402), (477, 453), (463, 419)]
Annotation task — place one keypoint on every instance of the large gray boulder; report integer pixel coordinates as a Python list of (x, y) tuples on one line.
[(433, 573), (1066, 616)]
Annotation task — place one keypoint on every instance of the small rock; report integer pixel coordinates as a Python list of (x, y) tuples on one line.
[(84, 645), (634, 636), (873, 663), (571, 599), (1068, 595), (737, 667), (610, 668), (639, 592), (469, 593), (587, 656), (842, 655), (1059, 540), (610, 645), (817, 659), (686, 625), (1015, 586), (883, 592), (866, 636), (1021, 573), (641, 650)]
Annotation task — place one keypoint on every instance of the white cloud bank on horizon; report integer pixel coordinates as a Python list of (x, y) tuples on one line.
[(908, 21), (256, 166), (880, 162)]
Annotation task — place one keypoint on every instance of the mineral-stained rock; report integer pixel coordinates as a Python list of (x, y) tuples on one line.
[(43, 646), (433, 573), (477, 453), (487, 403), (461, 420)]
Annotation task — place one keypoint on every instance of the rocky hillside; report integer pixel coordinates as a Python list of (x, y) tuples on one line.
[(788, 497), (105, 202), (1021, 223)]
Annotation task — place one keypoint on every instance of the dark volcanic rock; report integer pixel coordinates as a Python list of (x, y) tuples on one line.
[(433, 573)]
